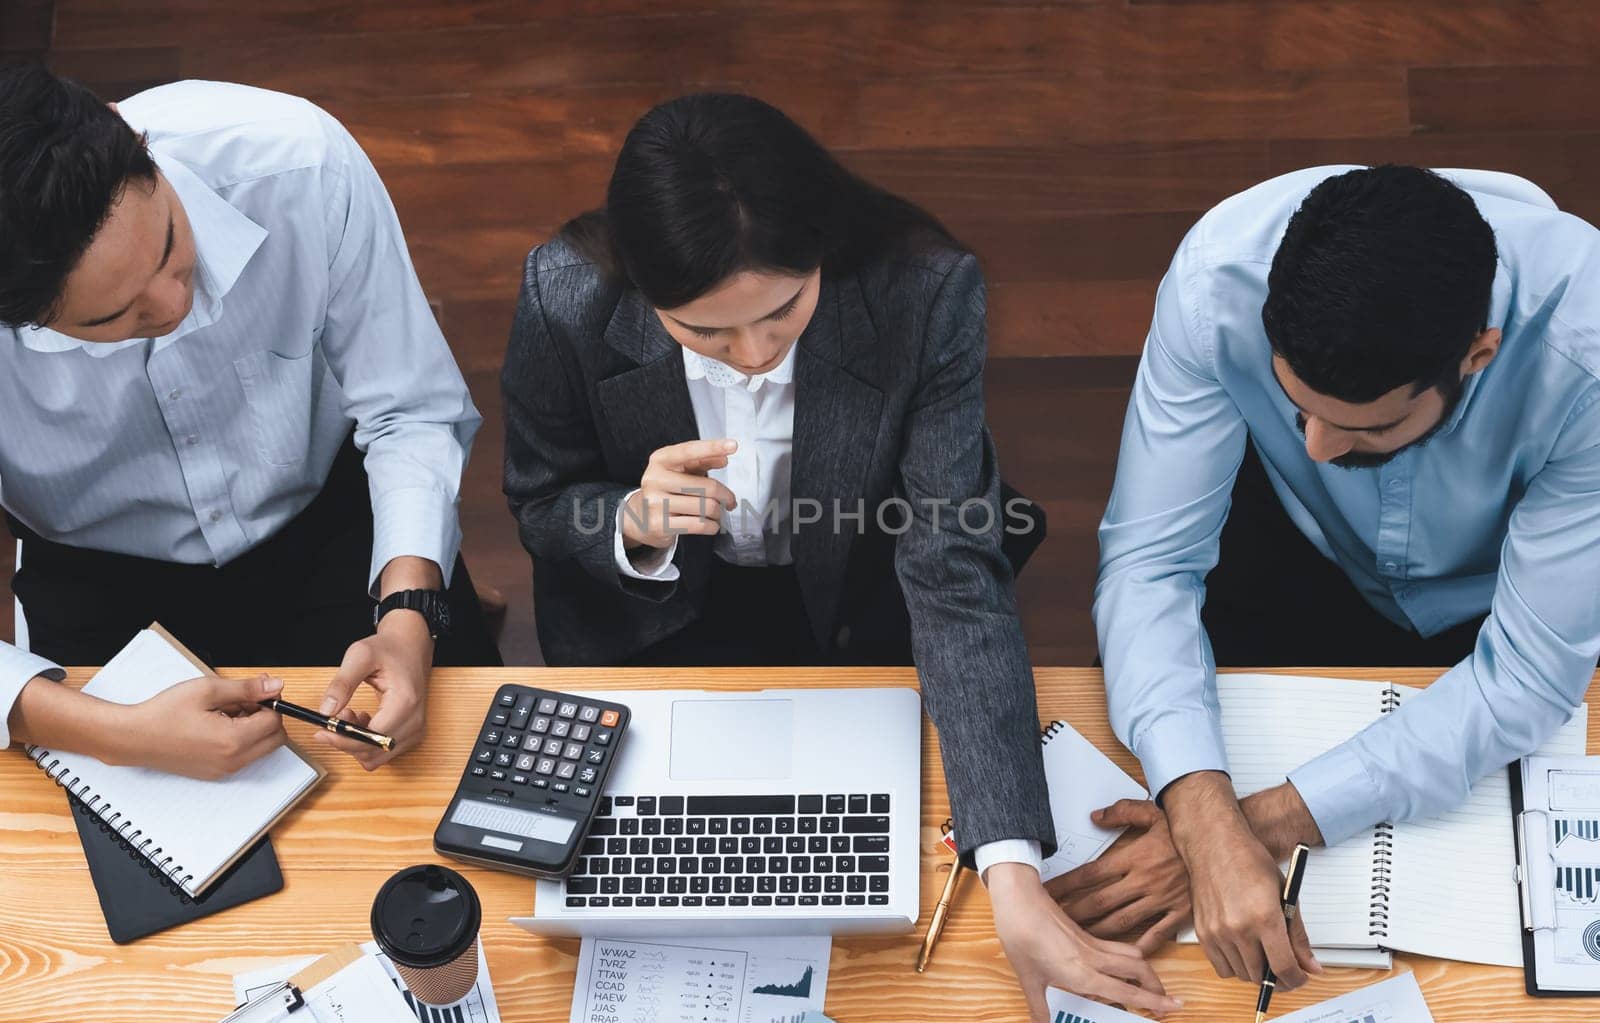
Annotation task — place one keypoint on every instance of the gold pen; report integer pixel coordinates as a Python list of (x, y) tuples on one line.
[(942, 911)]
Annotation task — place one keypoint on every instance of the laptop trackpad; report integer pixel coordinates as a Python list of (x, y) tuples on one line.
[(733, 739)]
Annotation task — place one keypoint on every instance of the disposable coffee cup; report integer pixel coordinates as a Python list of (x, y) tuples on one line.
[(426, 920)]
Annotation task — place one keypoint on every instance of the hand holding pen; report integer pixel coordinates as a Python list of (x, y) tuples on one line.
[(1291, 910)]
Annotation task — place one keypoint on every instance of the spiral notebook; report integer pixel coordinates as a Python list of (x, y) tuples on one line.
[(191, 831), (1443, 887)]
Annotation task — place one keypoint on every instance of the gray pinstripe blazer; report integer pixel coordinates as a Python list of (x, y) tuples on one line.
[(888, 402)]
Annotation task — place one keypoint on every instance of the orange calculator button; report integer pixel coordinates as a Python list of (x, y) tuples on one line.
[(609, 718)]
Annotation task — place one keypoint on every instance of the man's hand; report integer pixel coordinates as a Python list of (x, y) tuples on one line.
[(1139, 884), (205, 728), (1048, 950), (1236, 884), (396, 663), (676, 496)]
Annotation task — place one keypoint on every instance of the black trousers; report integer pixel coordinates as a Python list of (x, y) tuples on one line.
[(1274, 600), (299, 598)]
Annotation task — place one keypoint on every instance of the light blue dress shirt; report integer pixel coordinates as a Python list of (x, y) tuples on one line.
[(1499, 512), (308, 322)]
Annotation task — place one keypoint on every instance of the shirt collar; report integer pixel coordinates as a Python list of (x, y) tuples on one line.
[(1499, 316), (225, 240), (720, 374)]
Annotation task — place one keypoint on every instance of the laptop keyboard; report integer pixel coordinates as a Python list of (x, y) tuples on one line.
[(771, 852)]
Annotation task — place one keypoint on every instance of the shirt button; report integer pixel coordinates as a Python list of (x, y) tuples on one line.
[(191, 440), (175, 394), (1394, 484), (216, 516), (1389, 566)]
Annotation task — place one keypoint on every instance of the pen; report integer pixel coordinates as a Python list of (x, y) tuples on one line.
[(1291, 909), (941, 911), (335, 725)]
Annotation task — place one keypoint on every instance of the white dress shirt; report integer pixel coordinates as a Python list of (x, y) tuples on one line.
[(758, 412), (308, 322)]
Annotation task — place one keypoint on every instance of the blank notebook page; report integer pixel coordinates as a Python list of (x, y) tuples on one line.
[(1455, 892), (1271, 724), (197, 825)]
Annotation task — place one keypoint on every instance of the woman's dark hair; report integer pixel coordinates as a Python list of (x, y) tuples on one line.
[(65, 158), (1383, 278), (710, 185)]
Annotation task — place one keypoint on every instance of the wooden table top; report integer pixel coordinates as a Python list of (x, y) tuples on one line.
[(58, 965)]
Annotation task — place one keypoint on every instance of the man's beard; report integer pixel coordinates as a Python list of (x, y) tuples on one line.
[(1364, 460)]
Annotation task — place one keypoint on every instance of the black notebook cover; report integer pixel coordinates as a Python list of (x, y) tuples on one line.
[(139, 901)]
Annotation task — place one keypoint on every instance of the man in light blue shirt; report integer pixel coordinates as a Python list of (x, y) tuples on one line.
[(1411, 362), (226, 406)]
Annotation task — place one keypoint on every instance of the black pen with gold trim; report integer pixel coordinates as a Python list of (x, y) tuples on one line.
[(338, 726), (1291, 909)]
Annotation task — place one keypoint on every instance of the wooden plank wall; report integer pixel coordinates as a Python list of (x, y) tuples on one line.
[(1071, 143)]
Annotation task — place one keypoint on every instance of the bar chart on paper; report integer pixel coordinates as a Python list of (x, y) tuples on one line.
[(735, 980), (1069, 1008), (1397, 1000)]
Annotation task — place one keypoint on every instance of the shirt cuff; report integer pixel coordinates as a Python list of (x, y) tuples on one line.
[(1008, 850), (653, 567), (413, 522), (1177, 744), (1339, 793), (17, 669)]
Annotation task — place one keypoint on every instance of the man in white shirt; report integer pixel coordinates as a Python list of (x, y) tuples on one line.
[(224, 390)]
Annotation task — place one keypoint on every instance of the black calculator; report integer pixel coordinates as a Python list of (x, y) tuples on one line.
[(533, 782)]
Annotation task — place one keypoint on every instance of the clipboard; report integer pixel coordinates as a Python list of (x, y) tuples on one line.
[(1530, 969), (287, 998)]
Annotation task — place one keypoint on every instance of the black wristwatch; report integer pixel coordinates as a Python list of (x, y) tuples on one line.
[(431, 604)]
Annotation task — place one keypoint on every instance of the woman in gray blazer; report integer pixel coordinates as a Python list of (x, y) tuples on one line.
[(744, 413)]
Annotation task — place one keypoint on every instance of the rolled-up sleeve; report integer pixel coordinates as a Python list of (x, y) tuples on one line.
[(1182, 442), (1526, 676), (17, 669), (414, 417)]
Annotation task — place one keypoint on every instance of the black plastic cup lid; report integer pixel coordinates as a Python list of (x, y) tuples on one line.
[(426, 916)]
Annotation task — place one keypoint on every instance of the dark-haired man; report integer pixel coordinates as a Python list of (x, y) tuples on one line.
[(227, 406), (1393, 378)]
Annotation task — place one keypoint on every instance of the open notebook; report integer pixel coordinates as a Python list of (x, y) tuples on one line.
[(191, 831), (1443, 887)]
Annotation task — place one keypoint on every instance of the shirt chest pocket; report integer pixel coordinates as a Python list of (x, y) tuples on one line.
[(277, 388)]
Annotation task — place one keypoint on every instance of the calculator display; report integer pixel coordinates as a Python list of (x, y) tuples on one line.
[(507, 820)]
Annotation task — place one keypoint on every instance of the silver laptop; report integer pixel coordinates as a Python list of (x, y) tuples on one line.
[(786, 810)]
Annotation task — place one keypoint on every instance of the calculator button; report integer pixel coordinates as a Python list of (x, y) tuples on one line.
[(610, 718), (499, 717), (566, 769), (594, 756), (589, 714), (559, 786), (552, 747), (512, 739), (581, 792), (508, 699), (525, 762), (492, 737), (484, 756), (561, 729), (540, 783), (524, 706), (588, 775), (545, 766), (567, 710), (502, 760), (520, 779), (541, 725), (573, 751), (547, 706), (497, 775), (602, 738), (532, 743), (581, 734), (479, 772)]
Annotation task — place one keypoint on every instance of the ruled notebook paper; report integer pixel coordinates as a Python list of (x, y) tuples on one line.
[(1271, 724), (1455, 891), (192, 830)]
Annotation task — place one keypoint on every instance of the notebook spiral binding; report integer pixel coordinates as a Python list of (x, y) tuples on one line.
[(1383, 851), (1051, 732), (121, 830)]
